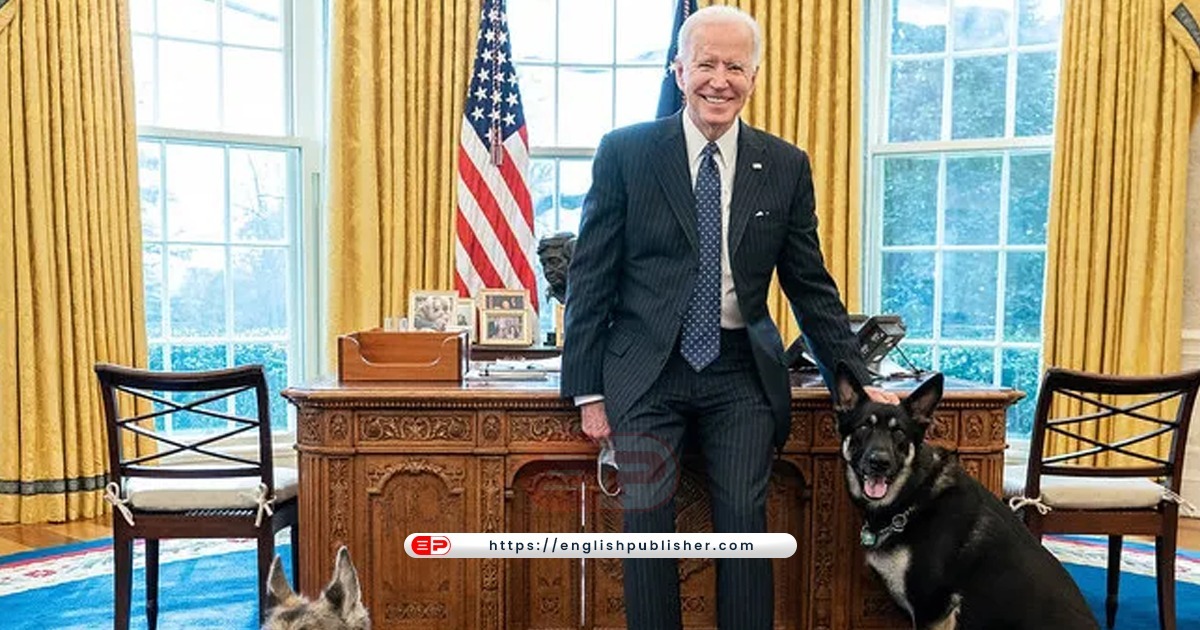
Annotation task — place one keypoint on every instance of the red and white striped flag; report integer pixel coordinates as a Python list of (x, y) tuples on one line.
[(495, 244)]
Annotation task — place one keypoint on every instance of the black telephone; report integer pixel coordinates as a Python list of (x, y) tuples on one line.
[(877, 336)]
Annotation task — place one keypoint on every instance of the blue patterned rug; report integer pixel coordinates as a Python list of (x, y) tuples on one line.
[(212, 584)]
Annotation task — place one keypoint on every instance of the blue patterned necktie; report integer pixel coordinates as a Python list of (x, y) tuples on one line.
[(701, 342)]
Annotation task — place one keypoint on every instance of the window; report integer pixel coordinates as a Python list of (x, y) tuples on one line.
[(227, 109), (585, 68), (962, 97)]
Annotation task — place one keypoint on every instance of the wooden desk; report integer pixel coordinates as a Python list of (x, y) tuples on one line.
[(380, 461)]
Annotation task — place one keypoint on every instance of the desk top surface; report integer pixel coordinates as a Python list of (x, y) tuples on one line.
[(545, 386)]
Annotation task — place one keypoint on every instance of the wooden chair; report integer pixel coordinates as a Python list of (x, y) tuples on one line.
[(192, 484), (1067, 494)]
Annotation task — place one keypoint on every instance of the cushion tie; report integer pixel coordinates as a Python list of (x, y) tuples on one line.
[(112, 494), (264, 504)]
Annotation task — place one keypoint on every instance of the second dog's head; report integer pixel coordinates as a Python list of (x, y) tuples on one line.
[(339, 607), (880, 441)]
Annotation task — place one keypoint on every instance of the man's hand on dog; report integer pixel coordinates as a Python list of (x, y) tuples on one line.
[(595, 420), (881, 396)]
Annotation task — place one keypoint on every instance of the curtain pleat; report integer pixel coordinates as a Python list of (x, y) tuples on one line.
[(399, 73), (70, 249), (1115, 251)]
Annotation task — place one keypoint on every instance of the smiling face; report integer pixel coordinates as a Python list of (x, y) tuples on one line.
[(716, 74)]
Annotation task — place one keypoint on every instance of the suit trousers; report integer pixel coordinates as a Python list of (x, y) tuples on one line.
[(726, 410)]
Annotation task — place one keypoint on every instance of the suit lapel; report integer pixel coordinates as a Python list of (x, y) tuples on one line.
[(748, 182), (671, 169)]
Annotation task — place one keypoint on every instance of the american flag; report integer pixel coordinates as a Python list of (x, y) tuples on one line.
[(495, 244)]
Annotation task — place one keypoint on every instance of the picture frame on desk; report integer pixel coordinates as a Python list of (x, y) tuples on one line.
[(432, 310), (559, 310), (465, 319), (503, 299), (504, 328)]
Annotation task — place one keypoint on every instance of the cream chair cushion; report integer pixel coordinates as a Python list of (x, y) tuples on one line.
[(1087, 493), (177, 495)]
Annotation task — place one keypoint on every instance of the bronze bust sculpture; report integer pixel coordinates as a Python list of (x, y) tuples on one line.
[(555, 253)]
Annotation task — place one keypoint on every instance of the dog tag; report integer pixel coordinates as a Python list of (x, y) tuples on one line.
[(867, 537)]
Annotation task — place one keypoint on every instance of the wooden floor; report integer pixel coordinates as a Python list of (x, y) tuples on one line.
[(18, 538)]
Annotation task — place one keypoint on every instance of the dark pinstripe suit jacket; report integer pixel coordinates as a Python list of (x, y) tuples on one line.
[(636, 257)]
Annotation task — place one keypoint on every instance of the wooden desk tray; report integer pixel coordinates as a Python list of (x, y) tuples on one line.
[(375, 355)]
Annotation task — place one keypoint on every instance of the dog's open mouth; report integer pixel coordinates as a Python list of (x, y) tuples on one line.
[(875, 487)]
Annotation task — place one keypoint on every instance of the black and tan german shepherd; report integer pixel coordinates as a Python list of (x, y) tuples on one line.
[(950, 552)]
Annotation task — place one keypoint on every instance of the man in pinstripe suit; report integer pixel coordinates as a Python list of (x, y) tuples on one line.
[(686, 220)]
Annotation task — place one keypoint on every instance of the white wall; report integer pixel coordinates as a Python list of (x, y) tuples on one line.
[(1191, 313)]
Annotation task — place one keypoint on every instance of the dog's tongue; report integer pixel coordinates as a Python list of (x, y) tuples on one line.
[(875, 487)]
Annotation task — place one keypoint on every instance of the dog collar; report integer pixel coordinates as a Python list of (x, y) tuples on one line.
[(871, 539)]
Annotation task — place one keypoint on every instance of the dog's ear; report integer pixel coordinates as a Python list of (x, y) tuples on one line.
[(847, 391), (277, 585), (343, 592), (921, 403)]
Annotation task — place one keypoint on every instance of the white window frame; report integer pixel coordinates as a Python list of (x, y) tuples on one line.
[(878, 46), (306, 85)]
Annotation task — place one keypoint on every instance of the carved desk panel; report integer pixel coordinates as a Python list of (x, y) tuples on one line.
[(379, 461)]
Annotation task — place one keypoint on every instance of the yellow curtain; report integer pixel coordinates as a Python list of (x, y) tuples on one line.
[(70, 248), (1115, 256), (398, 78), (808, 92)]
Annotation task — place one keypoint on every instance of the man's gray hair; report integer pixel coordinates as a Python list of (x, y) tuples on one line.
[(718, 14)]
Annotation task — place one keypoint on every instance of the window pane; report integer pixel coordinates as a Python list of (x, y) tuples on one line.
[(190, 19), (273, 358), (918, 26), (576, 178), (152, 277), (258, 184), (908, 290), (981, 23), (196, 280), (193, 358), (143, 78), (585, 100), (253, 22), (585, 32), (150, 181), (910, 201), (188, 85), (195, 192), (921, 355), (969, 295), (979, 87), (537, 96), (155, 355), (915, 112), (141, 16), (1041, 21), (1035, 93), (253, 92), (637, 94), (973, 200), (640, 33), (531, 29), (1029, 198), (260, 283), (541, 190), (1023, 296), (1019, 370), (972, 364)]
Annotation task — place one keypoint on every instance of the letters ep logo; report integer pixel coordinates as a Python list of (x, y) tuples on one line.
[(431, 545)]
